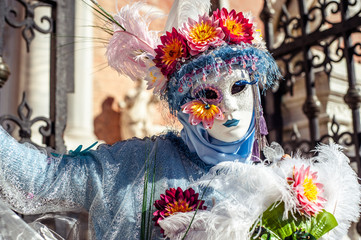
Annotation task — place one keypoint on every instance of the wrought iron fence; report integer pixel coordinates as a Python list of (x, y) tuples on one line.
[(317, 35), (21, 14)]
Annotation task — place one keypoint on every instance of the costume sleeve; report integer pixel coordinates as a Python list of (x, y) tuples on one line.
[(33, 182), (112, 183)]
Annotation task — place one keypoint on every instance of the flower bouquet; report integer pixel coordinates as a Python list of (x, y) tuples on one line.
[(288, 198)]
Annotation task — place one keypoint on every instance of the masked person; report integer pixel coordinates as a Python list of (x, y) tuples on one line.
[(210, 70)]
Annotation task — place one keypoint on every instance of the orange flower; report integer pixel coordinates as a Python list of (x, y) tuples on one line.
[(202, 112), (171, 52)]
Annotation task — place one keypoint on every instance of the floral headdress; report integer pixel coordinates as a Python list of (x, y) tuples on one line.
[(194, 46)]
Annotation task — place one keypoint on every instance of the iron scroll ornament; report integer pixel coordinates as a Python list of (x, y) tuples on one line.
[(325, 36), (28, 23), (24, 122), (304, 147), (310, 37)]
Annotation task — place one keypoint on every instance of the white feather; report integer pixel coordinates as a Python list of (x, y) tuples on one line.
[(341, 188), (175, 226), (244, 192), (183, 9)]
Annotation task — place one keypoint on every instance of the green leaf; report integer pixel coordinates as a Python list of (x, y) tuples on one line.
[(300, 235), (263, 234), (322, 223), (272, 221), (291, 228)]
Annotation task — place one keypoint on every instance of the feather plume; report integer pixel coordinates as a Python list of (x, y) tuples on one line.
[(183, 9), (341, 188), (175, 227), (246, 190), (126, 49)]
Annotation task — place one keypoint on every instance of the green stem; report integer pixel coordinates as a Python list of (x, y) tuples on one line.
[(107, 15), (194, 215), (145, 194), (152, 194)]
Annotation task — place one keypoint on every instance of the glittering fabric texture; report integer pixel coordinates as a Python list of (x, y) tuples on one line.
[(108, 182)]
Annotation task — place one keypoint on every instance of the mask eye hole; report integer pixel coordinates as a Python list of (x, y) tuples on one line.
[(209, 93), (237, 87)]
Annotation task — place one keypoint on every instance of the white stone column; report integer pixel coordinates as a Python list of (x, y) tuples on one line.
[(224, 4), (79, 130), (36, 73), (35, 79)]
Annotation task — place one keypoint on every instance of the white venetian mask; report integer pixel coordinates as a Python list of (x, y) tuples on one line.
[(232, 93)]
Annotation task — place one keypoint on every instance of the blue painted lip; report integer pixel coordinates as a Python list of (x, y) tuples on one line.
[(231, 123)]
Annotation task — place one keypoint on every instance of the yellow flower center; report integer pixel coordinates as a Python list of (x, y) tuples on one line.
[(153, 77), (204, 110), (310, 189), (179, 206), (203, 32), (234, 27), (172, 51)]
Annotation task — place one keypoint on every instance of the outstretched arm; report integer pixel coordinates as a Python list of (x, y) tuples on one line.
[(33, 182)]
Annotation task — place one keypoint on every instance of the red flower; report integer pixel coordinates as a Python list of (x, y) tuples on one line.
[(236, 27), (174, 201), (172, 51)]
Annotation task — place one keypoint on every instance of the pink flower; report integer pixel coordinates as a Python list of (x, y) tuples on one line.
[(202, 34), (307, 190), (202, 112), (236, 27), (174, 201), (171, 52)]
